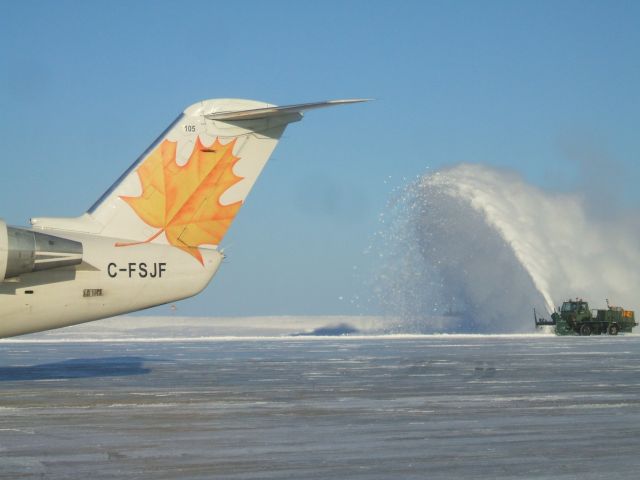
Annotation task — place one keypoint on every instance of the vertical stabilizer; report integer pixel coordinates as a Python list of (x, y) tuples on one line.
[(188, 186)]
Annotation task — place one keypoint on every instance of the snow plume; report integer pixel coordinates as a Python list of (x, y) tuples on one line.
[(474, 249)]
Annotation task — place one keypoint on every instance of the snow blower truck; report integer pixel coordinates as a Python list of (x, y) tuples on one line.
[(575, 318)]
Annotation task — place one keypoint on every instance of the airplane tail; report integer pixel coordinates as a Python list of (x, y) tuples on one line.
[(188, 186)]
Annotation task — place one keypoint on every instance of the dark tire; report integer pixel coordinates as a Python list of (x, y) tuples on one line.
[(613, 329), (585, 330)]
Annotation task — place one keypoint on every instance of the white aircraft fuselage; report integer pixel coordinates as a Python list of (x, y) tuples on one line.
[(153, 237)]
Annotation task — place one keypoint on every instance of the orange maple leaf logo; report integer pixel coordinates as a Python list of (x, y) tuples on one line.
[(184, 201)]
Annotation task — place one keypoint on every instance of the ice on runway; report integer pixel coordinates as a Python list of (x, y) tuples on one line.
[(332, 407)]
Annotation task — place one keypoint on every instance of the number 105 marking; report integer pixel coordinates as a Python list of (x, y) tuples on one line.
[(190, 128)]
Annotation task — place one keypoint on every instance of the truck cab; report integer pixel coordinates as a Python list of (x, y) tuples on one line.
[(572, 317), (575, 307)]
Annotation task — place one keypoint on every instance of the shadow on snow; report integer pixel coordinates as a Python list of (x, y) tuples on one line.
[(76, 368)]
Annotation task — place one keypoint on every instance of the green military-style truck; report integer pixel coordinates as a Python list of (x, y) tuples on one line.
[(575, 318)]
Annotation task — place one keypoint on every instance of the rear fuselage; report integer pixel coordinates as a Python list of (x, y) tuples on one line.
[(110, 281)]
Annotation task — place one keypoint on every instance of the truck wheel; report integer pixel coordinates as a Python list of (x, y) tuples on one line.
[(613, 329), (585, 330)]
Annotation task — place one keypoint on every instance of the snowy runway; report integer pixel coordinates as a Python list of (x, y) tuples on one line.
[(303, 407)]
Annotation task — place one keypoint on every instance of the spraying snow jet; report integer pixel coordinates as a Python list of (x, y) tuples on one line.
[(473, 249)]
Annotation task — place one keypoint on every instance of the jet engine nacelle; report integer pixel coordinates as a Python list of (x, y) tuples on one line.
[(25, 251)]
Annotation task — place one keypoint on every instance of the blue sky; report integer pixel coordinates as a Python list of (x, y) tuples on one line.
[(542, 88)]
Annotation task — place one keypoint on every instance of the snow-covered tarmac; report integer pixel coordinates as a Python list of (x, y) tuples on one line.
[(82, 405)]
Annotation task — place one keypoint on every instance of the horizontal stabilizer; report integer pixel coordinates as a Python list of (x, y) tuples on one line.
[(256, 113)]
